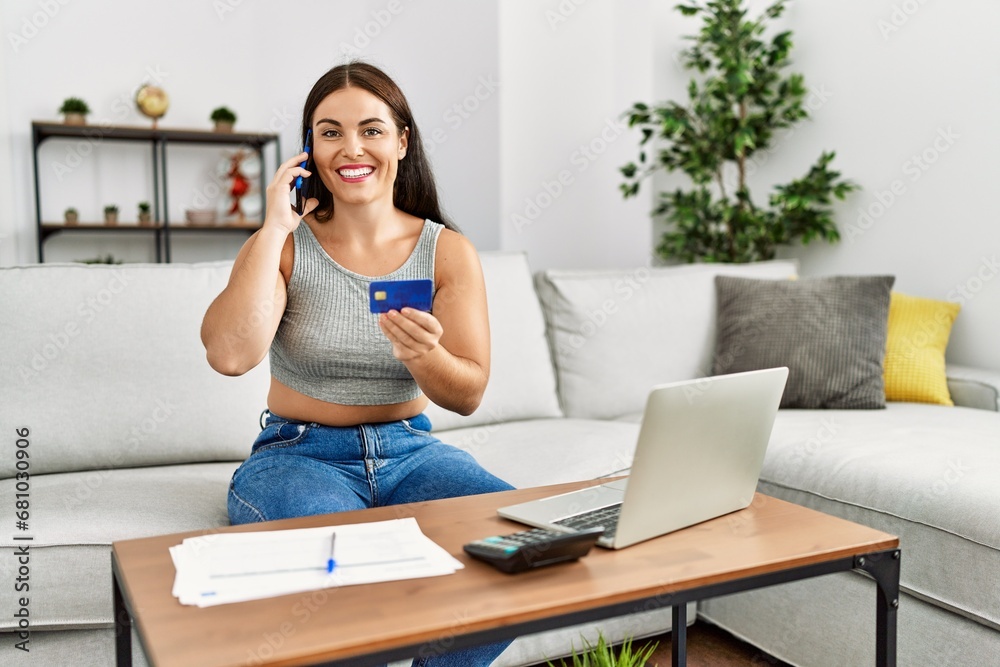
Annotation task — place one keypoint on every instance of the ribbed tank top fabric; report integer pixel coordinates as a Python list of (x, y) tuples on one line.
[(328, 344)]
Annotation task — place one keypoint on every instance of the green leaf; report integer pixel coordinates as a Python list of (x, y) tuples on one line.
[(739, 99)]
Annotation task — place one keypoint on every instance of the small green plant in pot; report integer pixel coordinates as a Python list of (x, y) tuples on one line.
[(106, 259), (145, 217), (71, 216), (604, 655), (74, 111), (111, 215), (224, 119), (738, 102)]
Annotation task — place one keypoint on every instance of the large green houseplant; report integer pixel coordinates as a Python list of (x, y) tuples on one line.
[(738, 100)]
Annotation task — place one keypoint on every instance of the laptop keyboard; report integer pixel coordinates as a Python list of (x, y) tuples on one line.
[(604, 516)]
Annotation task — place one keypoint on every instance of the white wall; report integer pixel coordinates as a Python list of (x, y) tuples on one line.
[(912, 107), (570, 68), (260, 59)]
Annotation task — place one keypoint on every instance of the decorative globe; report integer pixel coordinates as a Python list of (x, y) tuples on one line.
[(152, 101)]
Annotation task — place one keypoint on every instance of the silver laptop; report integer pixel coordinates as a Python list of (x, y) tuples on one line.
[(699, 454)]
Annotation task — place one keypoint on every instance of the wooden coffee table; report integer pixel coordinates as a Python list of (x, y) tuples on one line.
[(770, 542)]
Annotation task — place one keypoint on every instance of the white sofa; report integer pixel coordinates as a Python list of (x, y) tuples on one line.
[(130, 434)]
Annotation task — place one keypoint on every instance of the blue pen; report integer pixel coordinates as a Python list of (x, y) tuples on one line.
[(331, 563)]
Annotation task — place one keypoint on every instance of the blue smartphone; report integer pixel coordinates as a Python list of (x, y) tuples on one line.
[(300, 182), (386, 295)]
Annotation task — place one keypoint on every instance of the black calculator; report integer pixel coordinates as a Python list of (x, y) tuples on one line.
[(529, 549)]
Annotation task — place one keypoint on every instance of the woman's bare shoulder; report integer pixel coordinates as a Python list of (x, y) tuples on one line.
[(456, 250)]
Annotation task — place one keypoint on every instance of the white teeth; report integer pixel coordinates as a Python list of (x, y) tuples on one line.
[(355, 173)]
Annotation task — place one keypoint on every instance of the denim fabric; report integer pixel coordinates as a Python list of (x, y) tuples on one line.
[(298, 468)]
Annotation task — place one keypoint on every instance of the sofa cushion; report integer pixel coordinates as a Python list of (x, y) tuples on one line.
[(830, 332), (108, 369), (76, 516), (926, 473), (914, 351), (974, 387), (615, 334)]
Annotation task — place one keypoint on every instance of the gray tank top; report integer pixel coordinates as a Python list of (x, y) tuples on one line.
[(328, 344)]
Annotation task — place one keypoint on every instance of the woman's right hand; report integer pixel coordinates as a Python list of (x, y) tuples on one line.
[(280, 212)]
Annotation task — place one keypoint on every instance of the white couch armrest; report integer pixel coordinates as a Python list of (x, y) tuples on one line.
[(974, 387)]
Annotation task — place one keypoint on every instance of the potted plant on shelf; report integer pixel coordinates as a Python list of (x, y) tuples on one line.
[(145, 218), (224, 119), (104, 259), (738, 104), (111, 214), (71, 216), (74, 111)]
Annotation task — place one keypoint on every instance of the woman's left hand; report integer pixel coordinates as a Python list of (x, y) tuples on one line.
[(413, 333)]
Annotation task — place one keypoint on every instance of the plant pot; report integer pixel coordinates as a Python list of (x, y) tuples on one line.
[(145, 219), (111, 219), (71, 218), (74, 119), (223, 126)]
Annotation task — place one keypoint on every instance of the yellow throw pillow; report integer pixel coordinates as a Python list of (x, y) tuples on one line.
[(914, 368)]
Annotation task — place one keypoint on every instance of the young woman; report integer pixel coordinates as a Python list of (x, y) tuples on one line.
[(344, 427)]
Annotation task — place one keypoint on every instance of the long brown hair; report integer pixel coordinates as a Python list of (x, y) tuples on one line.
[(414, 190)]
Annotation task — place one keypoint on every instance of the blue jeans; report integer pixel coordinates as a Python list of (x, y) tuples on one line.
[(300, 468)]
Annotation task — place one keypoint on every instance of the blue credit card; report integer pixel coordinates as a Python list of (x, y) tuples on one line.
[(386, 295)]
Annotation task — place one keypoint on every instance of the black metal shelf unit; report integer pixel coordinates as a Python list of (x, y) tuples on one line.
[(158, 139)]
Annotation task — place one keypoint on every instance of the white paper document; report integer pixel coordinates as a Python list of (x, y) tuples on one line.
[(232, 567)]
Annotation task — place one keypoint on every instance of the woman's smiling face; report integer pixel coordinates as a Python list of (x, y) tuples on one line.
[(356, 146)]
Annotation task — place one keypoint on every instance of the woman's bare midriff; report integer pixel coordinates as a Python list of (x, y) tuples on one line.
[(285, 401)]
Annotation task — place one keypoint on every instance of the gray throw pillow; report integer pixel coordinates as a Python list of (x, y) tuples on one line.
[(830, 332)]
